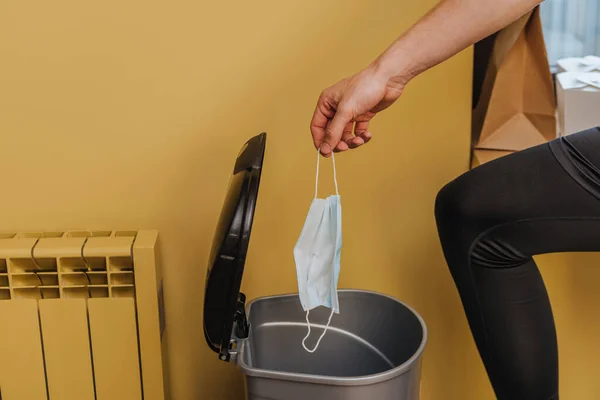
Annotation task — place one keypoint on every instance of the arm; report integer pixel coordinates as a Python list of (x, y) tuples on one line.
[(341, 118)]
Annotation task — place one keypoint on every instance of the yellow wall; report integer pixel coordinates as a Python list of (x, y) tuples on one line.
[(129, 113), (572, 281)]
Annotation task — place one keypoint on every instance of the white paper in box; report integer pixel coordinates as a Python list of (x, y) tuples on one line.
[(579, 64), (578, 101)]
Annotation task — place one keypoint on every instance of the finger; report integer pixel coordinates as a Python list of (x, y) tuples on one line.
[(362, 131), (366, 137), (356, 142), (366, 117), (334, 131), (347, 135), (321, 116), (362, 135), (342, 146)]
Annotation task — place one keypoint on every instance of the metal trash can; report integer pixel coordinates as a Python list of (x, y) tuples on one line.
[(372, 349)]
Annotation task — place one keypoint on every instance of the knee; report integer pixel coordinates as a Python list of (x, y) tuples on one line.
[(454, 205), (458, 217), (465, 206)]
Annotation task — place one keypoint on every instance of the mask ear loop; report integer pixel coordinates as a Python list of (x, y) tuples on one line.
[(334, 174), (320, 337), (332, 310)]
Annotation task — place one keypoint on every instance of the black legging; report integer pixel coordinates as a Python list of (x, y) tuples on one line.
[(491, 221)]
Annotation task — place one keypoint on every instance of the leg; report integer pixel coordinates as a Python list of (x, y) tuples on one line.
[(491, 222)]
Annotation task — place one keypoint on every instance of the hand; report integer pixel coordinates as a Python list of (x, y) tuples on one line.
[(344, 110)]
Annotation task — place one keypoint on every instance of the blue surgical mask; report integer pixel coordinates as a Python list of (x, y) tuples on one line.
[(317, 255)]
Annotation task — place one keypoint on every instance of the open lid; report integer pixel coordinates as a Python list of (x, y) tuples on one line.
[(223, 302)]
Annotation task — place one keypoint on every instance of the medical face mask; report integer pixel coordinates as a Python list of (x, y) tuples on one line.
[(317, 255)]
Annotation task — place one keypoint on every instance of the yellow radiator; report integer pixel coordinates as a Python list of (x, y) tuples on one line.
[(81, 316)]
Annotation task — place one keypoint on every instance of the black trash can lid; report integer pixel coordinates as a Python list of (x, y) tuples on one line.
[(223, 302)]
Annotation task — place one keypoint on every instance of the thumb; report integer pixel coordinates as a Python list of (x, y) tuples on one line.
[(334, 131)]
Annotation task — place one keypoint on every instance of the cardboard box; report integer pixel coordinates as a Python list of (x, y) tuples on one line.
[(578, 101)]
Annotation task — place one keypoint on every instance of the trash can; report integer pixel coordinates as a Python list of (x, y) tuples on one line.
[(372, 349)]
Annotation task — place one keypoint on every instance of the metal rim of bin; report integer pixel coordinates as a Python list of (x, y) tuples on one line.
[(339, 381)]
